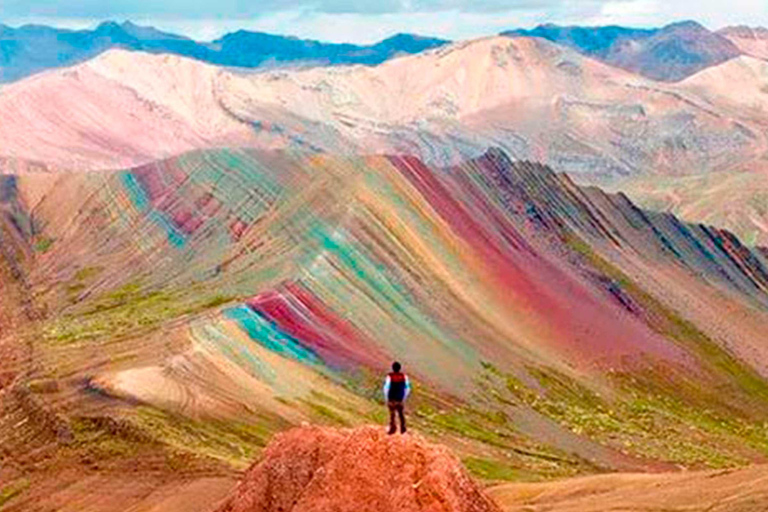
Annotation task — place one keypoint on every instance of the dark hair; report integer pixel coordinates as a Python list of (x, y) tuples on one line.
[(396, 366)]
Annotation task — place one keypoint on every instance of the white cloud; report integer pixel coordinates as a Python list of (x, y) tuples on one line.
[(419, 16), (629, 10), (711, 13)]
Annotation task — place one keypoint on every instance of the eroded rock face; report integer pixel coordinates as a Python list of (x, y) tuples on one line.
[(313, 469)]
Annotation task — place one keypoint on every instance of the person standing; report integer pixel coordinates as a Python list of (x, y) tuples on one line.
[(397, 387)]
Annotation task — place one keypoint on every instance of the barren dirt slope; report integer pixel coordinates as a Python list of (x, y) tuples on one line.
[(744, 490)]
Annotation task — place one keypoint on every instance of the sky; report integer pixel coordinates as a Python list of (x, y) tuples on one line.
[(366, 21)]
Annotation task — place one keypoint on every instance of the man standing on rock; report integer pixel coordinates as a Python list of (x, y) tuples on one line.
[(396, 390)]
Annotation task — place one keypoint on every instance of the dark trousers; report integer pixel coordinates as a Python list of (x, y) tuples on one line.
[(396, 407)]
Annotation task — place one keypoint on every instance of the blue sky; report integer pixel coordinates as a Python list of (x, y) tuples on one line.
[(370, 20)]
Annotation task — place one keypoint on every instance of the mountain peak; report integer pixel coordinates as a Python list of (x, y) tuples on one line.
[(405, 36), (131, 30), (109, 26), (686, 25), (408, 43)]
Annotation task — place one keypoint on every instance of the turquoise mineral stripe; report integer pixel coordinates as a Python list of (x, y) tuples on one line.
[(175, 237), (135, 191), (372, 274), (377, 280), (139, 198), (262, 331)]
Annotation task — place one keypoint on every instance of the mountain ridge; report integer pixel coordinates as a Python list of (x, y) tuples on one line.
[(30, 49), (750, 40), (195, 306), (670, 53)]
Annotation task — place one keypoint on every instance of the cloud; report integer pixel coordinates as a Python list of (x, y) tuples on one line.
[(361, 27), (710, 13), (629, 9), (241, 9), (372, 20)]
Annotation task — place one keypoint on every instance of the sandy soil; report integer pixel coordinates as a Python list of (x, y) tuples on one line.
[(742, 490)]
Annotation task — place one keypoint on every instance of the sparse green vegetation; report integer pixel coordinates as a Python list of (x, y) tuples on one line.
[(494, 470), (329, 410), (327, 415), (234, 442), (473, 425), (125, 310), (42, 245), (642, 422), (101, 438), (743, 386), (216, 301), (506, 453), (12, 490), (87, 273)]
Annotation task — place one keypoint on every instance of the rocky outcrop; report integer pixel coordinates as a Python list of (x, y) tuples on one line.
[(315, 469)]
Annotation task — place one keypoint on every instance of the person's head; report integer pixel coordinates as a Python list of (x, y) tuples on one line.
[(396, 366)]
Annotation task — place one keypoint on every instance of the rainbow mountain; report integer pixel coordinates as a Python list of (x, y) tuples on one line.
[(193, 306)]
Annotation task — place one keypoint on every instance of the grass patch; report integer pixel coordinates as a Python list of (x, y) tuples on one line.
[(88, 273), (43, 245), (741, 387), (100, 438), (327, 416), (494, 470), (500, 452), (12, 490), (126, 310), (234, 442), (640, 421), (471, 424), (216, 301)]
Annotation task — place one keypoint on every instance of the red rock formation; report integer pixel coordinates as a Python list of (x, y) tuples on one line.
[(315, 469)]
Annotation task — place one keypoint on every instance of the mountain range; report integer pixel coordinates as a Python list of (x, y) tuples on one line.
[(670, 53), (175, 315), (33, 48), (565, 247), (536, 99)]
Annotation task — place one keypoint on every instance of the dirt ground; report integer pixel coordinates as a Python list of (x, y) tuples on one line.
[(145, 493), (733, 490), (739, 490)]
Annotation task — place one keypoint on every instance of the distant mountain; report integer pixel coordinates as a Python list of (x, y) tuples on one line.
[(33, 48), (119, 108), (253, 49), (753, 41), (534, 98), (671, 53), (596, 42)]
